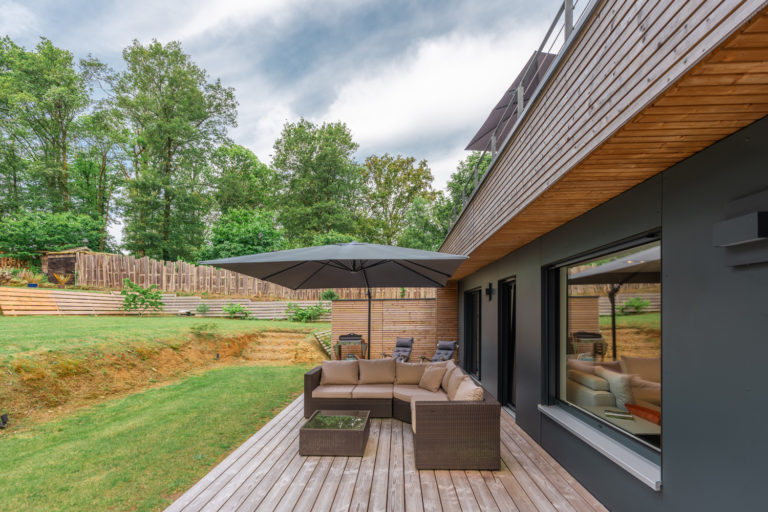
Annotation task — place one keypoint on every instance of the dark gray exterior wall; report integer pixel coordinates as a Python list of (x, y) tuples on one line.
[(714, 341)]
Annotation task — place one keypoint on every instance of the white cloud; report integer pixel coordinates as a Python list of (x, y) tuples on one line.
[(16, 20), (443, 89)]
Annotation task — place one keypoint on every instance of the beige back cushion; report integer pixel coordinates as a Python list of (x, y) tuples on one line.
[(620, 384), (377, 371), (408, 373), (339, 372), (449, 367), (457, 377), (467, 390), (432, 378), (648, 368)]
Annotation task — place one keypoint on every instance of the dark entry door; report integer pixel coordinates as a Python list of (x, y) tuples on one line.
[(507, 342), (472, 332)]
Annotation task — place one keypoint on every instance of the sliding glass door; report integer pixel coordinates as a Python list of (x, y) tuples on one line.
[(507, 291)]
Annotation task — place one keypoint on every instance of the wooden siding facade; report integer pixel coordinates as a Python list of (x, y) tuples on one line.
[(642, 86)]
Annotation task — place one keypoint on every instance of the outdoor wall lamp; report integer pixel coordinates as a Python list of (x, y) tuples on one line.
[(489, 291)]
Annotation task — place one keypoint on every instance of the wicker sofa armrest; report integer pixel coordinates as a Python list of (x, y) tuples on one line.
[(458, 435), (311, 381)]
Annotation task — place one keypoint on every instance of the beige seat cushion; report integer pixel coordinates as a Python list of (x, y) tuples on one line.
[(406, 392), (372, 391), (377, 371), (409, 373), (440, 398), (339, 372), (333, 391), (457, 377), (467, 391), (433, 376)]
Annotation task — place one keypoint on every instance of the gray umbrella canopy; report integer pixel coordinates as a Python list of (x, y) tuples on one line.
[(349, 265), (640, 267)]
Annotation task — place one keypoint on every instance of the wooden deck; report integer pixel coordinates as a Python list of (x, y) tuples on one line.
[(267, 473)]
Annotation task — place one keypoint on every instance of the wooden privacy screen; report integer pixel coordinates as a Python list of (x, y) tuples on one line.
[(583, 314), (426, 320)]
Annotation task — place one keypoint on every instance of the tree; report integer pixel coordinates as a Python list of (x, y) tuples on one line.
[(241, 180), (97, 171), (41, 94), (176, 118), (330, 238), (242, 231), (422, 227), (26, 235), (319, 179), (392, 184), (444, 207)]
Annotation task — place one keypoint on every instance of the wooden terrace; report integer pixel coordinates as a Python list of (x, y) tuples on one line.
[(267, 473)]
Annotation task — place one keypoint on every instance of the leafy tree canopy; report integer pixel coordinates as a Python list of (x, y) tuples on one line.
[(26, 235), (320, 181), (241, 180), (242, 231), (392, 184)]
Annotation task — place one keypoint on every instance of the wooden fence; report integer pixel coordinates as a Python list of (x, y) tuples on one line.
[(39, 301), (12, 263), (426, 320), (108, 271), (654, 302)]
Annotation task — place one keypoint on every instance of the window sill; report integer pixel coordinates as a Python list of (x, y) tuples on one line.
[(633, 463)]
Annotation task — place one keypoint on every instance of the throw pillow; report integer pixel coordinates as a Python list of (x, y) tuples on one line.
[(409, 373), (645, 413), (467, 391), (433, 376), (647, 368), (450, 366), (338, 372), (457, 377), (620, 385), (377, 371)]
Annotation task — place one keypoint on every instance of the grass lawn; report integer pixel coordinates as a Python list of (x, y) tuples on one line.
[(79, 334), (648, 321), (133, 453)]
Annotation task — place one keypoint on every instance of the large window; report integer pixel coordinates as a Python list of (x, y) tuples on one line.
[(610, 339)]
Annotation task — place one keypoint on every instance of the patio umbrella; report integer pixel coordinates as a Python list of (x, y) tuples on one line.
[(639, 267), (347, 265)]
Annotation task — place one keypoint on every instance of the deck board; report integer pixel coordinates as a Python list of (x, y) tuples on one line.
[(267, 473)]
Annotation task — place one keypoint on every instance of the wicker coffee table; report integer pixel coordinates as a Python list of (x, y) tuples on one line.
[(336, 433)]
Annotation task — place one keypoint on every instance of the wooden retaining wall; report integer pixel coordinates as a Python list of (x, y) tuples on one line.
[(40, 301), (104, 270)]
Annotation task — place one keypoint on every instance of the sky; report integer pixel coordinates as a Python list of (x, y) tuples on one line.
[(413, 78)]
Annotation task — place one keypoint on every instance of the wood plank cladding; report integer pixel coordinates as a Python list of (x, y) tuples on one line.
[(425, 320), (647, 85)]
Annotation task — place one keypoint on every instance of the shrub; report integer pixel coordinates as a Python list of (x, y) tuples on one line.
[(204, 330), (296, 313), (233, 310), (140, 299), (329, 295), (633, 305), (203, 308)]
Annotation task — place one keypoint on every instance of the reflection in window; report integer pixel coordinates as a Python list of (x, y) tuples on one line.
[(610, 342)]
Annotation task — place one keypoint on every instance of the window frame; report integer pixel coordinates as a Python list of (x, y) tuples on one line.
[(551, 304)]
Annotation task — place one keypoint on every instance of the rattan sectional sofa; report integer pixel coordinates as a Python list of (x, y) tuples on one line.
[(456, 426)]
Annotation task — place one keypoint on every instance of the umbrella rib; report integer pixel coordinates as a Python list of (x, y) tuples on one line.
[(439, 285), (313, 274), (338, 264), (429, 268), (266, 278)]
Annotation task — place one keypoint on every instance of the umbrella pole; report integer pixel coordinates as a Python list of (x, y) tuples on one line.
[(612, 297), (369, 324)]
